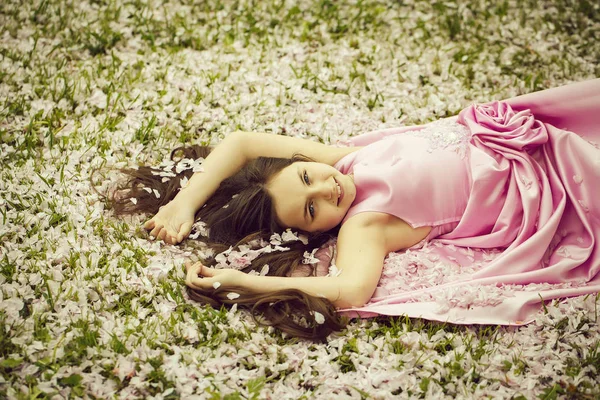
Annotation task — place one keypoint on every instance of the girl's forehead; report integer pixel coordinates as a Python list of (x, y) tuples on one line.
[(287, 181), (286, 190)]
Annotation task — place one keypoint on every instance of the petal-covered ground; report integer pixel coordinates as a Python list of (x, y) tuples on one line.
[(90, 308)]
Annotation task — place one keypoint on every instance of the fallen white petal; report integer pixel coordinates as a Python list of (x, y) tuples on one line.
[(319, 318), (184, 182)]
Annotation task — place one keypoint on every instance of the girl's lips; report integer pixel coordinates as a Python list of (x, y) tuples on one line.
[(341, 193)]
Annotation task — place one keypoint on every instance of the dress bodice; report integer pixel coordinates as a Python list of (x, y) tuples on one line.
[(419, 176)]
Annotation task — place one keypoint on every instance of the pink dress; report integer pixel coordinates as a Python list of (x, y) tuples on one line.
[(512, 191)]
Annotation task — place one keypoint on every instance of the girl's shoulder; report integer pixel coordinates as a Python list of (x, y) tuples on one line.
[(398, 234)]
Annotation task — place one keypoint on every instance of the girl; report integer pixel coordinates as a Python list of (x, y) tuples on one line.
[(519, 175)]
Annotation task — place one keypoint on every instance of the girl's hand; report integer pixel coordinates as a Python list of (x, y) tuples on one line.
[(172, 223), (201, 277)]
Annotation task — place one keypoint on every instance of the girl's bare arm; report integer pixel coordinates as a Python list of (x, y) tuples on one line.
[(361, 249), (363, 243), (241, 147), (174, 221)]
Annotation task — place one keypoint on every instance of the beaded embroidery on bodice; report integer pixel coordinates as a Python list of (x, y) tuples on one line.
[(445, 134)]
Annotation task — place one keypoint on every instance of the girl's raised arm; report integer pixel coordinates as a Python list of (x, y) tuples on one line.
[(174, 221), (240, 147), (268, 145)]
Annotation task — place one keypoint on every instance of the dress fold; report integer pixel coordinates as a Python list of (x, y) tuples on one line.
[(529, 220)]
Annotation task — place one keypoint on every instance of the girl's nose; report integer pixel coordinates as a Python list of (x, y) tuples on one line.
[(324, 190)]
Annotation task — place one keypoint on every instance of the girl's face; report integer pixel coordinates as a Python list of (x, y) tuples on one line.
[(311, 196)]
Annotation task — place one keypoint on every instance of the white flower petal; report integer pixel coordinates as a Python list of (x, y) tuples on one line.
[(265, 270), (232, 296), (183, 182), (319, 318)]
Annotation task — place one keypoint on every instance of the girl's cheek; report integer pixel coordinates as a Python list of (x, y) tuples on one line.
[(333, 218)]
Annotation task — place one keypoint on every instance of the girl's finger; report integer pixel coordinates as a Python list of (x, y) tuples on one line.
[(162, 234), (188, 268), (192, 280), (204, 283), (188, 265), (149, 224), (195, 283), (184, 230), (170, 236), (192, 270), (156, 230), (189, 276), (189, 281), (206, 271)]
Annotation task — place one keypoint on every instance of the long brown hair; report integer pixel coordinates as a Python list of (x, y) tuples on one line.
[(240, 213)]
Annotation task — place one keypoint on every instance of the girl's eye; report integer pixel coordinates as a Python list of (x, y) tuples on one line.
[(306, 178), (311, 209)]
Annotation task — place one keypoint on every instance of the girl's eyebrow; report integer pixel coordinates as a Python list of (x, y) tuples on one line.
[(306, 203)]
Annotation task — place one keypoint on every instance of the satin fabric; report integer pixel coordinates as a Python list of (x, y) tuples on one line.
[(422, 181), (526, 191)]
